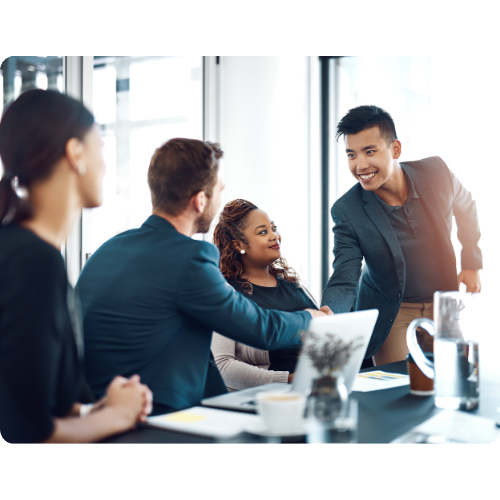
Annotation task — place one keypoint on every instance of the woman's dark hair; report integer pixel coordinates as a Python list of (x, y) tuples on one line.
[(363, 117), (233, 220), (34, 131)]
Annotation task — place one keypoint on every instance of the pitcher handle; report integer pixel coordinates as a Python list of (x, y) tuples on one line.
[(425, 365)]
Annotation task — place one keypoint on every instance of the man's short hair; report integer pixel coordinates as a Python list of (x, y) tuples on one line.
[(364, 117), (179, 169)]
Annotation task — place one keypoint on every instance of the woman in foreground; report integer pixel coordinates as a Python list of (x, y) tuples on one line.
[(251, 262), (53, 167)]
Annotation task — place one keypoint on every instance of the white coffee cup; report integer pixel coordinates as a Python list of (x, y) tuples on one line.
[(281, 412)]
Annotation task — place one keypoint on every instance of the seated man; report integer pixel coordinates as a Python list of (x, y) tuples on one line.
[(152, 296)]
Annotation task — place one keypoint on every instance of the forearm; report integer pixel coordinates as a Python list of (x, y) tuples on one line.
[(339, 296), (468, 232), (248, 371), (240, 375), (95, 427), (340, 292)]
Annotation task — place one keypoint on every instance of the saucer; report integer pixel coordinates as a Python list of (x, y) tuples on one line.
[(259, 427)]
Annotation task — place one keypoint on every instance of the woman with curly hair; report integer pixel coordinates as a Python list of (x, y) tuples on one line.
[(251, 261)]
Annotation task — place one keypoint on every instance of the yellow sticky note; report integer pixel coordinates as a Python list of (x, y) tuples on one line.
[(185, 417)]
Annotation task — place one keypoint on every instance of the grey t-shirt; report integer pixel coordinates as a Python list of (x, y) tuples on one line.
[(420, 245)]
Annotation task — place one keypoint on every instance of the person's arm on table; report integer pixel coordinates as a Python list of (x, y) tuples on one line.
[(127, 402), (32, 354), (238, 374)]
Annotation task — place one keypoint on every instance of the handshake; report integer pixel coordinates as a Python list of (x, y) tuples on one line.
[(323, 311)]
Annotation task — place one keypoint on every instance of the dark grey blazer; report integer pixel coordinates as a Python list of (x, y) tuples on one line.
[(363, 230)]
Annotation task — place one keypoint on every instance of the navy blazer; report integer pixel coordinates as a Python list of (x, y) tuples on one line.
[(363, 231), (151, 298)]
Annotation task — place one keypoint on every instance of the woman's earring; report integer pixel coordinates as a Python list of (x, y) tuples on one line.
[(242, 251), (82, 169)]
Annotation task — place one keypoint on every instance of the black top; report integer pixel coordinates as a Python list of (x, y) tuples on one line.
[(40, 373), (285, 296), (420, 244)]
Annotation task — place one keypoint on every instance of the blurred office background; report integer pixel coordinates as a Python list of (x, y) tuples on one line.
[(275, 119)]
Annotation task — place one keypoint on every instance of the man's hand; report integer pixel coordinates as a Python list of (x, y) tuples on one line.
[(326, 310), (471, 279)]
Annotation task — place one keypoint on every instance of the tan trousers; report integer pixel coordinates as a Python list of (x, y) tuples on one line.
[(395, 348)]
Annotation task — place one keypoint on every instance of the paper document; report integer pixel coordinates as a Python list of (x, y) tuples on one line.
[(204, 421), (378, 379), (450, 426)]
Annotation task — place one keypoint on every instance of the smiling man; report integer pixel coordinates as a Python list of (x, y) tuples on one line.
[(398, 218)]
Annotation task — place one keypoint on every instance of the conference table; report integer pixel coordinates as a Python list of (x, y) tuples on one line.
[(383, 415)]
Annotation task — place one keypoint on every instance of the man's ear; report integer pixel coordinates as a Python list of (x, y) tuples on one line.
[(396, 149), (199, 201)]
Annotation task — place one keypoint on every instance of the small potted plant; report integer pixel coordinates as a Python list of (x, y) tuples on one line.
[(329, 354)]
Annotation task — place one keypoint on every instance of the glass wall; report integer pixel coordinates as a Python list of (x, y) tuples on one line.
[(265, 135), (21, 73), (140, 102)]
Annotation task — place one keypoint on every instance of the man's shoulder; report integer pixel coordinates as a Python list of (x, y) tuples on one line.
[(203, 249), (149, 239), (432, 169), (427, 166), (354, 194), (429, 162), (351, 200)]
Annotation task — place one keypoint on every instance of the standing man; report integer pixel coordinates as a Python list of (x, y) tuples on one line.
[(398, 218), (152, 296)]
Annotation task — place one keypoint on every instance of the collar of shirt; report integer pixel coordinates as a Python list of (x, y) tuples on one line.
[(412, 193)]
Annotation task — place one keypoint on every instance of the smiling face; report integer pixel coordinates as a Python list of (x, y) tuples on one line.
[(262, 246), (371, 160)]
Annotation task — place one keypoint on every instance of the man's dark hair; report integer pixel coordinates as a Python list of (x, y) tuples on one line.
[(363, 117), (179, 169)]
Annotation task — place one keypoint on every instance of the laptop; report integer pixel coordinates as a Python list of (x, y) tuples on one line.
[(356, 326)]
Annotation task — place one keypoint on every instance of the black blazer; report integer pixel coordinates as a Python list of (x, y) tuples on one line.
[(363, 230), (151, 298)]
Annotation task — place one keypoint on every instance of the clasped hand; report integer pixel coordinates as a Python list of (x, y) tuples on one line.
[(323, 311), (129, 397)]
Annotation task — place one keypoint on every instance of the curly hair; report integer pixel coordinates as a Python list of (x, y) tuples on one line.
[(233, 220)]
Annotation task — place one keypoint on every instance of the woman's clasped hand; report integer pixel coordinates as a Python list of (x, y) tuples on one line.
[(130, 400)]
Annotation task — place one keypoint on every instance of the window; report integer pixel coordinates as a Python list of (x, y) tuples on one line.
[(139, 102), (21, 73)]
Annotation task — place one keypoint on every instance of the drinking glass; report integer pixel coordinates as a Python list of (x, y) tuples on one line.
[(456, 353), (344, 429)]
